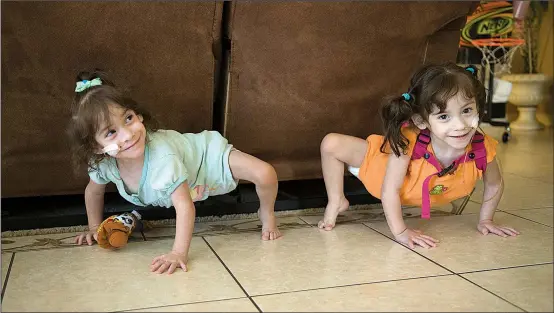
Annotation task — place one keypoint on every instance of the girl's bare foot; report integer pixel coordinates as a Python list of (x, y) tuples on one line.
[(331, 212), (269, 225)]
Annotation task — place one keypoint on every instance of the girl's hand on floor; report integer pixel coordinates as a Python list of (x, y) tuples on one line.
[(412, 237), (486, 227), (169, 262), (86, 237)]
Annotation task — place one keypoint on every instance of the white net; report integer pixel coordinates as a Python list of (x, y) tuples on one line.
[(497, 57)]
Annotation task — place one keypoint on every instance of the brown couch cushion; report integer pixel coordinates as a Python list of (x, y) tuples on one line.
[(160, 51), (301, 70)]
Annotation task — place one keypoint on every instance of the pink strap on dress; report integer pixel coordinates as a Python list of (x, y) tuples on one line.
[(426, 201)]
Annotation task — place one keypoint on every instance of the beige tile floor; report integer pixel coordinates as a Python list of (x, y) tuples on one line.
[(356, 267)]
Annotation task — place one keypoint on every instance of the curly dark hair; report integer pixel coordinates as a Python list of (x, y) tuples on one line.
[(90, 108), (430, 87)]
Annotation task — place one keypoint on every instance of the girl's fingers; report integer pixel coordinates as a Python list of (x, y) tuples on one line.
[(513, 231), (508, 231), (89, 239), (172, 268), (498, 232), (421, 242), (183, 266), (431, 243), (163, 268), (155, 266), (429, 238), (156, 259)]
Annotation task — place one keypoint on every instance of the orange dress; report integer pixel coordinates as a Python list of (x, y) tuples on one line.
[(443, 189)]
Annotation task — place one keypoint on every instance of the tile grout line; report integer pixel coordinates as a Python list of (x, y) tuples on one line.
[(546, 207), (231, 273), (300, 217), (457, 274), (7, 277), (440, 265), (525, 218), (179, 304), (351, 285), (505, 268), (530, 178), (492, 293)]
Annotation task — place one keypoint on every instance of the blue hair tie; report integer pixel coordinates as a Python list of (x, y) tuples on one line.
[(406, 96), (471, 70)]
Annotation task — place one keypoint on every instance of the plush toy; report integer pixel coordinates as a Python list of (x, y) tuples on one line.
[(114, 232)]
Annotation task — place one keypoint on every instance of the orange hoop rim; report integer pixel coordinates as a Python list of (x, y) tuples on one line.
[(497, 42)]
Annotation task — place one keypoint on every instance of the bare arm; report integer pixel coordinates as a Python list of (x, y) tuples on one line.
[(494, 187), (94, 202), (397, 167), (390, 192), (185, 213)]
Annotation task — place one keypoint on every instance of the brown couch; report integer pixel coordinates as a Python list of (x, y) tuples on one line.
[(297, 71), (301, 70), (161, 52)]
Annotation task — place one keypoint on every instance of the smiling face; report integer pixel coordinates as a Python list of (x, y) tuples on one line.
[(125, 129), (455, 125)]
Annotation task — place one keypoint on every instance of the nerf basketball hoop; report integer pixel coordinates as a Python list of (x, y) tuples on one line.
[(494, 29), (490, 29)]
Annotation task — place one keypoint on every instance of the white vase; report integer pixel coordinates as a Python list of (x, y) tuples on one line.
[(528, 91)]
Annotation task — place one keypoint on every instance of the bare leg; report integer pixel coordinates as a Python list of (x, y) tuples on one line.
[(336, 151), (247, 167)]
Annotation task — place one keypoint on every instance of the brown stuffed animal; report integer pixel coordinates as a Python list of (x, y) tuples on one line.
[(114, 232)]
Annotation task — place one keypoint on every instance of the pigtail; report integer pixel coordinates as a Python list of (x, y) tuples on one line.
[(394, 113)]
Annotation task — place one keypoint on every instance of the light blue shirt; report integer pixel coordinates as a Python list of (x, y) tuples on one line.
[(171, 158)]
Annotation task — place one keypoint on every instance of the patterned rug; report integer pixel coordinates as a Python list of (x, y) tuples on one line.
[(63, 237)]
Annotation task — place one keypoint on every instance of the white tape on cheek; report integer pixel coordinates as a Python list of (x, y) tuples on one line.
[(112, 149), (475, 122)]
